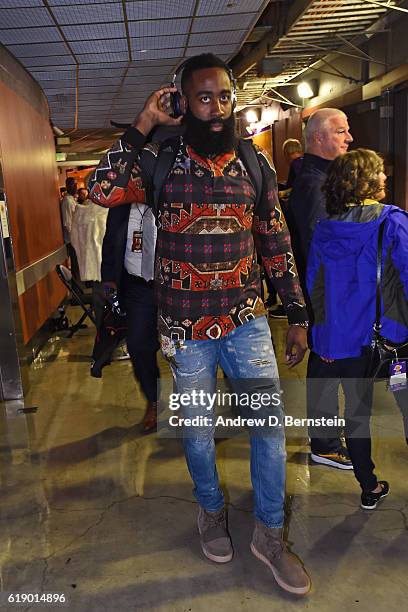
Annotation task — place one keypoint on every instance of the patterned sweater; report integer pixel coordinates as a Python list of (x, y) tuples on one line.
[(207, 275)]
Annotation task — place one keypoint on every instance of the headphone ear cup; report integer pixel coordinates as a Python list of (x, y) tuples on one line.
[(176, 104), (234, 90)]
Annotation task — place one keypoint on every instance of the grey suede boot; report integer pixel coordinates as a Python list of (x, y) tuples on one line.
[(268, 545), (215, 539)]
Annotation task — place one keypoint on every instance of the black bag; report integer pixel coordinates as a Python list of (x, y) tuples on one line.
[(111, 331), (383, 351)]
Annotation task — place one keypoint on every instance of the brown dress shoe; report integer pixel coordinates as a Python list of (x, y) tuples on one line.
[(149, 423)]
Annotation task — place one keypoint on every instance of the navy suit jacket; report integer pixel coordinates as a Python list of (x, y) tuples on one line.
[(114, 244)]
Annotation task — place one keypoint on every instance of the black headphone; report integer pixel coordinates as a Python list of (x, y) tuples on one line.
[(176, 96)]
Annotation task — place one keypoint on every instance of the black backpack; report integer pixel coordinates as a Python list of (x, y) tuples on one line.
[(157, 168)]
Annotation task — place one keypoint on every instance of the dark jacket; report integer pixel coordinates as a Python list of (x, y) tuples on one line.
[(341, 279), (294, 170), (307, 206), (114, 244)]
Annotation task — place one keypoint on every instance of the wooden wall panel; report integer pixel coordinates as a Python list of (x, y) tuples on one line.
[(294, 126), (400, 178), (361, 127), (38, 302), (30, 177), (264, 140), (31, 183), (282, 130), (279, 137)]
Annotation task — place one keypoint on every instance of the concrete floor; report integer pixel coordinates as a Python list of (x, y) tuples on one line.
[(94, 510)]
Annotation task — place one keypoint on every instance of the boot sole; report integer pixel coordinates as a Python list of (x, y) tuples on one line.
[(286, 587), (216, 558), (330, 463)]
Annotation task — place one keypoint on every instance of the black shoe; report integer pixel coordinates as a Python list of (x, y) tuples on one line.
[(278, 313), (339, 459), (370, 500)]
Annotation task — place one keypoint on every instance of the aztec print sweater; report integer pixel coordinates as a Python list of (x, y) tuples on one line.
[(207, 277)]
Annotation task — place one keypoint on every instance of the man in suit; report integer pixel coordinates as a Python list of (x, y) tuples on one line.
[(127, 266)]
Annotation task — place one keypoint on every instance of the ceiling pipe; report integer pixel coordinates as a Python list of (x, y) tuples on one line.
[(242, 65)]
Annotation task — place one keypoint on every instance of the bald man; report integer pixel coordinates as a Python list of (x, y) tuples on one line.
[(327, 135)]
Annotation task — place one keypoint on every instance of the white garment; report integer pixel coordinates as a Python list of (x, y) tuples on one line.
[(68, 206), (141, 242), (87, 233)]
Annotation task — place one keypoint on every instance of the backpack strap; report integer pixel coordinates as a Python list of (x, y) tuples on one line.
[(377, 325), (249, 157), (164, 163), (157, 167)]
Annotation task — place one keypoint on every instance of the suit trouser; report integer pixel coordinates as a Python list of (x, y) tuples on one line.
[(138, 299)]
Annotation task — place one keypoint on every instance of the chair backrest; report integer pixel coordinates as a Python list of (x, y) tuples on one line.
[(78, 298), (65, 272), (70, 283)]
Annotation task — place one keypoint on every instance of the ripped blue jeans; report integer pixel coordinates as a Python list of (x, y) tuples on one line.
[(247, 357)]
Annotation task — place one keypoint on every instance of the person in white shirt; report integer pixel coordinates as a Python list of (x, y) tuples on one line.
[(87, 233), (68, 206)]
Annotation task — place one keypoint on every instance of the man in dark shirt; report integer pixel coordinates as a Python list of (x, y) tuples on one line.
[(208, 292), (327, 135)]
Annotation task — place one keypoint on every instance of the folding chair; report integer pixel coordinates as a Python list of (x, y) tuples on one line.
[(79, 298)]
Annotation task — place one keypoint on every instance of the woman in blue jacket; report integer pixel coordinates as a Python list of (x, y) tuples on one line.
[(341, 280)]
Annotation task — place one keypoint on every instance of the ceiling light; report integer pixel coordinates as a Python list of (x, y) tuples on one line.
[(251, 116), (304, 90), (269, 115), (63, 140)]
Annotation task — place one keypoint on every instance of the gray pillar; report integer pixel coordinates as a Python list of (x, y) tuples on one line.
[(11, 377)]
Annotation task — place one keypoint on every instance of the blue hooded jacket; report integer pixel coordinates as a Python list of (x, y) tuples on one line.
[(341, 279)]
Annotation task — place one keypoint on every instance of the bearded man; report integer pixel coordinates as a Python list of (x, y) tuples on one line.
[(207, 281)]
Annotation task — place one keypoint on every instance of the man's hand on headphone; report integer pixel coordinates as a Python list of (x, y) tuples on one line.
[(156, 111)]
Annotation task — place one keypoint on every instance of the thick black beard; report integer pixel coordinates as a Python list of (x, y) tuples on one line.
[(205, 142)]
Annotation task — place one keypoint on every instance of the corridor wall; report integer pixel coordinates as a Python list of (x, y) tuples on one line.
[(27, 157), (290, 127)]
